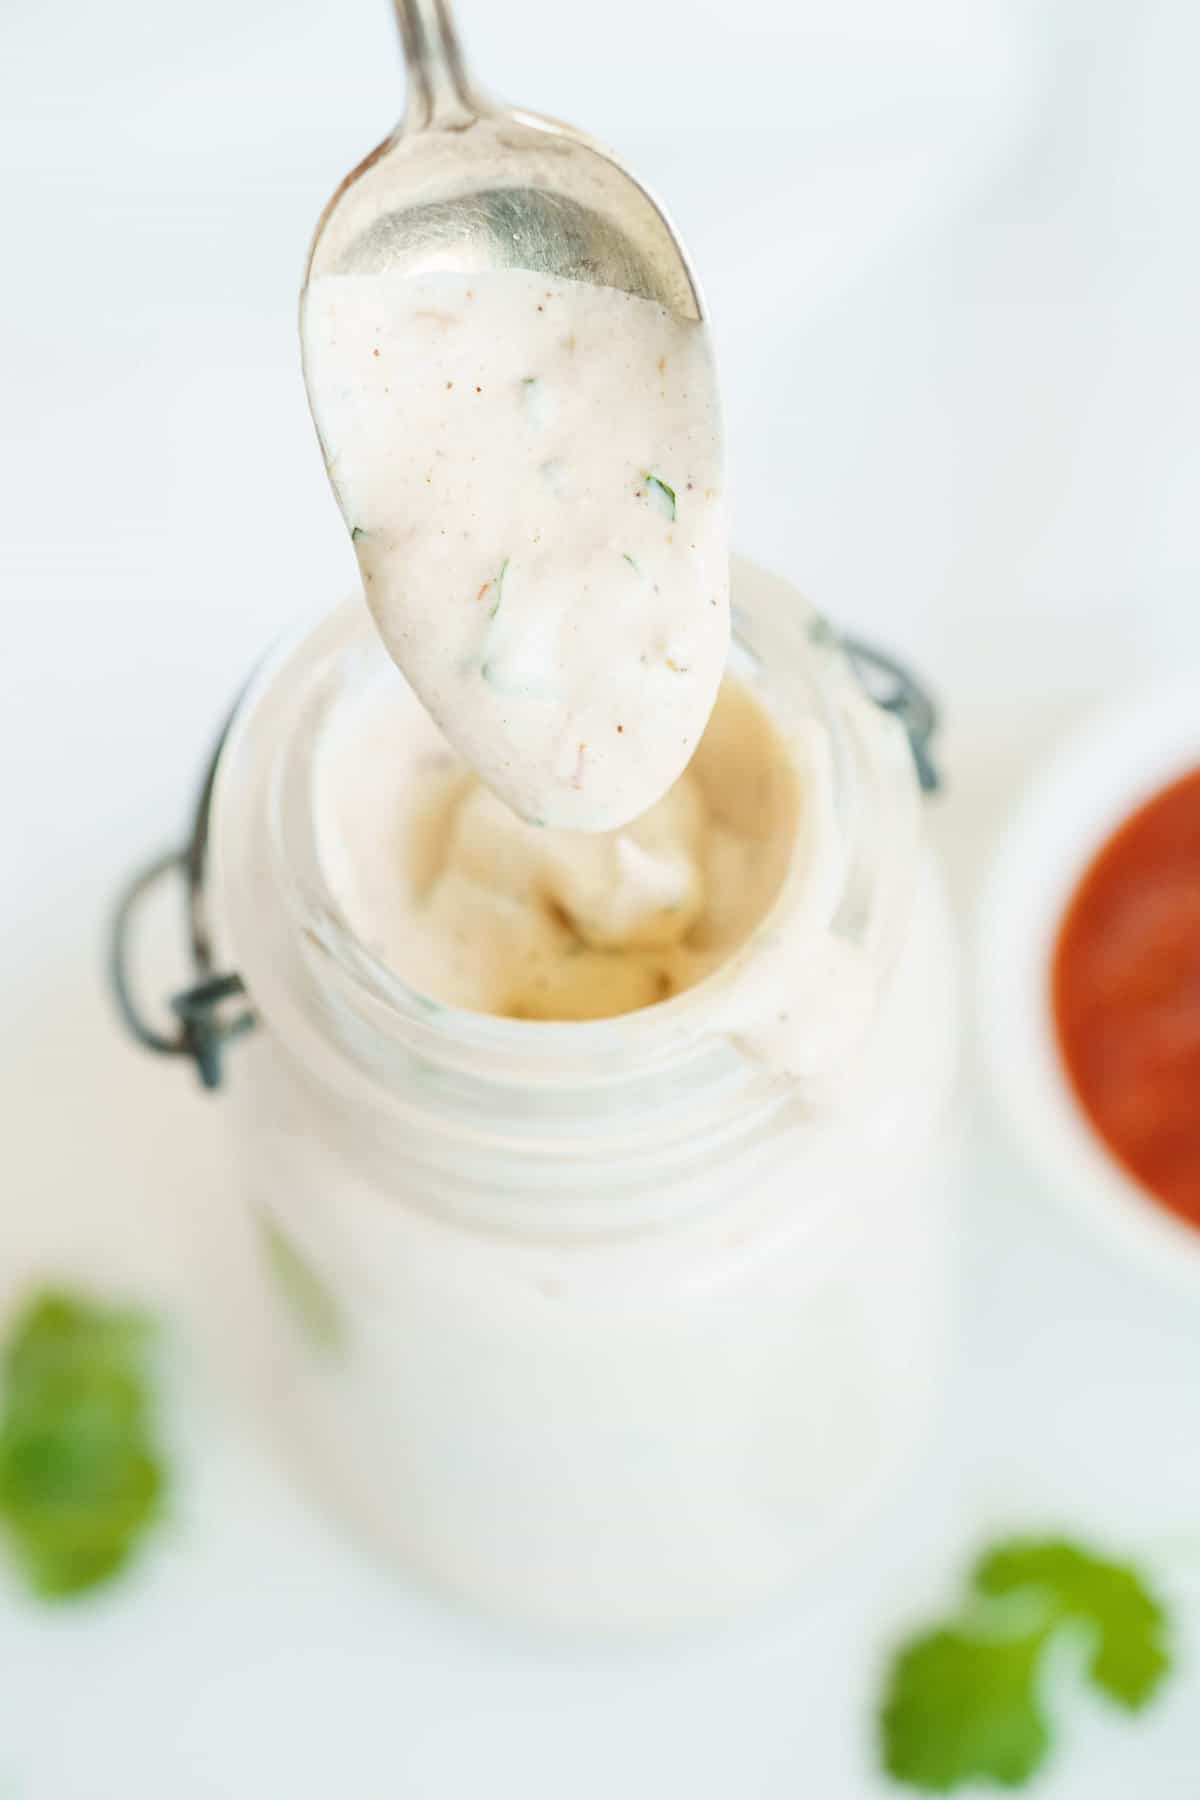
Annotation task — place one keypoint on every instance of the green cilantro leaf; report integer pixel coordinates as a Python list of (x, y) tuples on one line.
[(961, 1709), (1130, 1656), (79, 1476), (962, 1701)]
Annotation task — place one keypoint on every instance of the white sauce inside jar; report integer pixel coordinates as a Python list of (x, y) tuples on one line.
[(480, 910), (728, 881)]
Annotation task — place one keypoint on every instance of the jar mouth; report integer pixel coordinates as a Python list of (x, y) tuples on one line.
[(674, 1073), (319, 669)]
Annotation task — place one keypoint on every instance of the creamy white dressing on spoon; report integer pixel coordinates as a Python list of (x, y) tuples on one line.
[(531, 472)]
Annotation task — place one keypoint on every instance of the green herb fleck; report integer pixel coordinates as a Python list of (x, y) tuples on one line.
[(495, 606), (962, 1701), (631, 562), (310, 1302), (528, 380), (356, 531), (664, 494), (80, 1475)]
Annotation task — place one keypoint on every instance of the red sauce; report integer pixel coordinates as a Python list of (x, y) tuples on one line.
[(1126, 985)]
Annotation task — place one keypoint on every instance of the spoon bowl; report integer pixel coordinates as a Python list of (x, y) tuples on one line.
[(576, 509), (466, 185)]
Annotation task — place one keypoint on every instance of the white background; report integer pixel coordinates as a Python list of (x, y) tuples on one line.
[(950, 247)]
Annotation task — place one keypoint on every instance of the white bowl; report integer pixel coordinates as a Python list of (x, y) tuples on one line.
[(1121, 758)]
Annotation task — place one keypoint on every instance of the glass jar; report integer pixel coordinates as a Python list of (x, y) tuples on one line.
[(600, 1325)]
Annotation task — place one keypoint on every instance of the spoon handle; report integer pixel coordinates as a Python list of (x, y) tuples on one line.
[(440, 97)]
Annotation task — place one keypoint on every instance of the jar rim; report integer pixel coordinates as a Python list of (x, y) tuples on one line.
[(662, 1028), (331, 1000)]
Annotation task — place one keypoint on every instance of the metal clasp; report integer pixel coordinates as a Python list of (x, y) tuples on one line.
[(890, 685), (205, 1021)]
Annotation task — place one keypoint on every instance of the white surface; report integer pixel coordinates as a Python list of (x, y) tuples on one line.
[(950, 255)]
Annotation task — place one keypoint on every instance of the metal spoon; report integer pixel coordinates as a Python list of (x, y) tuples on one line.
[(466, 185)]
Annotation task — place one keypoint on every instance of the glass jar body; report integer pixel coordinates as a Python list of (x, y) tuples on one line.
[(560, 1369)]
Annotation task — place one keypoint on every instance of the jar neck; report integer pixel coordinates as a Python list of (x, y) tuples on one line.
[(640, 1101)]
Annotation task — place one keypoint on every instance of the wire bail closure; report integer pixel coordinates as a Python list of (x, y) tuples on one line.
[(891, 686), (206, 1022)]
